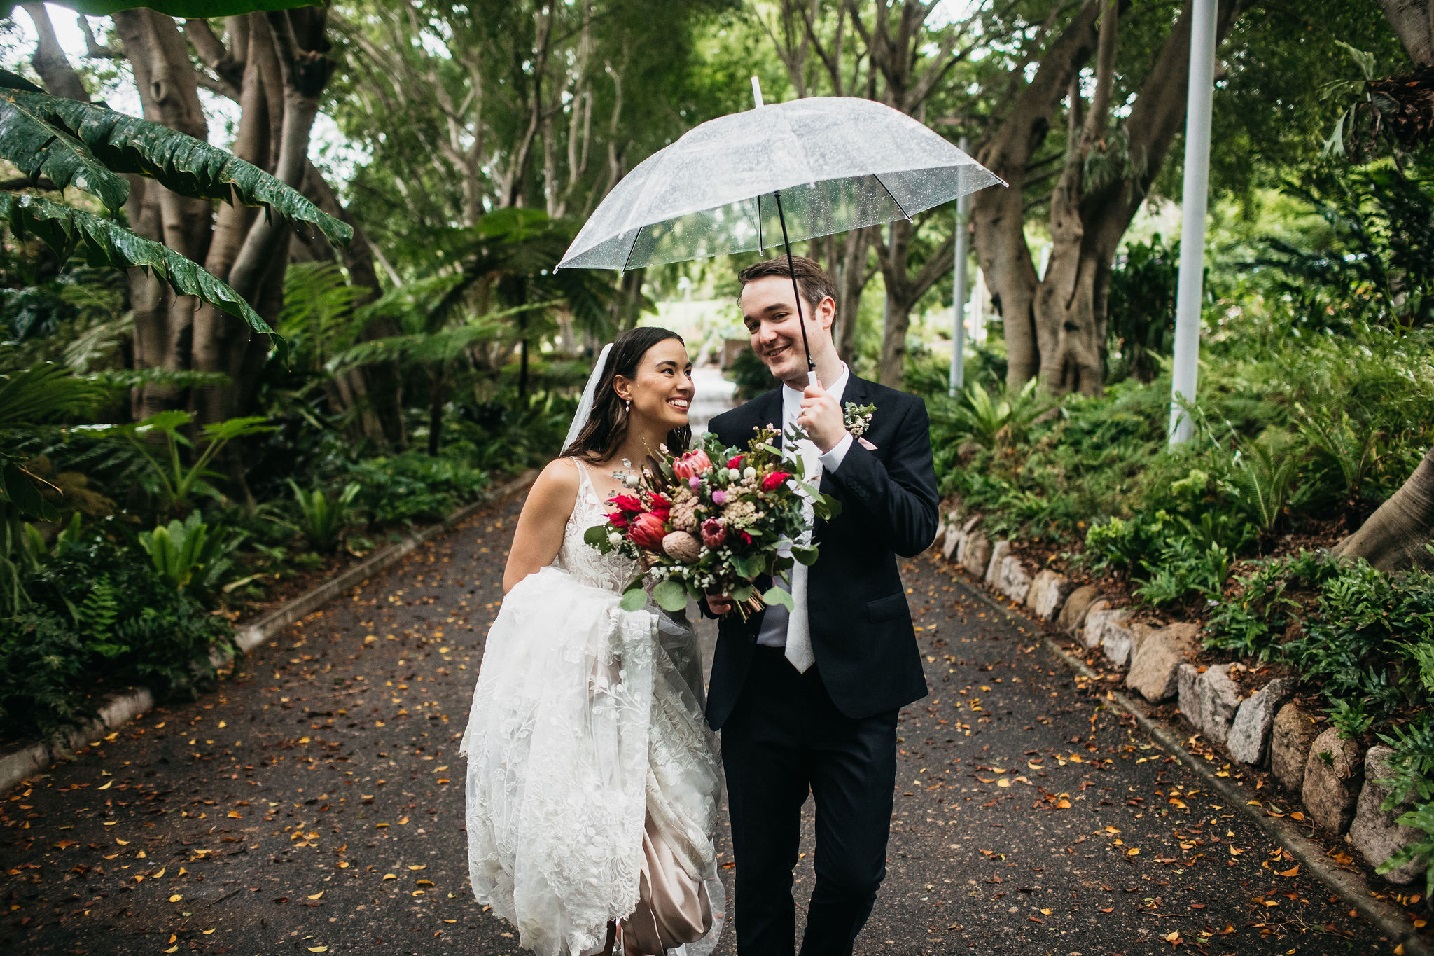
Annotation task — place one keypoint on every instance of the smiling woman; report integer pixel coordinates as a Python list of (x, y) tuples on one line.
[(595, 818)]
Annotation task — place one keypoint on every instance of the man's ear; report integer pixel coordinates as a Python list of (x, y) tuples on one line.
[(826, 312)]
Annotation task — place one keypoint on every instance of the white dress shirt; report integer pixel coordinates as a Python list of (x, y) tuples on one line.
[(777, 619)]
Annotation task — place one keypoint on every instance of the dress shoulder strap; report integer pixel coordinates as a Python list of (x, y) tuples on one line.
[(585, 481)]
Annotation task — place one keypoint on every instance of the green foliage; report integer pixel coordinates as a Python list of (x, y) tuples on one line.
[(97, 609), (1140, 310), (750, 374), (91, 147), (189, 555), (174, 481), (1411, 785), (323, 520), (105, 243), (997, 421), (1261, 476), (412, 486)]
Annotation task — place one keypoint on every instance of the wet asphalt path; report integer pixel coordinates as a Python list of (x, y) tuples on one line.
[(315, 803)]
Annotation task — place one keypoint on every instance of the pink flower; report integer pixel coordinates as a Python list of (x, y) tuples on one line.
[(719, 497), (692, 465), (694, 482), (714, 532), (775, 480), (647, 531)]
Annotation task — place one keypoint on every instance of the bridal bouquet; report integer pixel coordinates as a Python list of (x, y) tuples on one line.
[(713, 520)]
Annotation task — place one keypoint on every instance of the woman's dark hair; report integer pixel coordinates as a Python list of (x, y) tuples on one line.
[(606, 427)]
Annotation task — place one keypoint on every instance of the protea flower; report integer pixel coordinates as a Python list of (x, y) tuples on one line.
[(682, 546)]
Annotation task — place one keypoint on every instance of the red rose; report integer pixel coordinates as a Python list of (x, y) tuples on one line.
[(734, 462), (775, 480), (617, 519), (746, 538), (659, 505), (647, 531), (627, 503)]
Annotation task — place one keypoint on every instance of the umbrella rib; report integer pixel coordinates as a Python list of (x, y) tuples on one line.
[(904, 214)]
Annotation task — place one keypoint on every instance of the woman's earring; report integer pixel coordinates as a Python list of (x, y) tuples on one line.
[(627, 406)]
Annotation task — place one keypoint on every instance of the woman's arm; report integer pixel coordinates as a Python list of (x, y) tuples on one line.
[(545, 514)]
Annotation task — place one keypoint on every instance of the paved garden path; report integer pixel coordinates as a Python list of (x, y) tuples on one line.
[(315, 803)]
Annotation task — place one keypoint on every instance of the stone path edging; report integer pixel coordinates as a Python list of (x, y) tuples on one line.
[(1350, 886), (126, 706)]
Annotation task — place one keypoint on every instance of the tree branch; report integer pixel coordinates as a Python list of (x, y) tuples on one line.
[(50, 61)]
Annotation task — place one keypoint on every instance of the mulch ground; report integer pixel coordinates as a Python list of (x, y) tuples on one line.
[(315, 803)]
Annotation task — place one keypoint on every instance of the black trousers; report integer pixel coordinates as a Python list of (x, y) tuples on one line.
[(786, 738)]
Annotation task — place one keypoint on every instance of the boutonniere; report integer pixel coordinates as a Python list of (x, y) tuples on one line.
[(857, 419)]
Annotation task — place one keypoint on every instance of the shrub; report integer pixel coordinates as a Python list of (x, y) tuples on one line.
[(414, 486)]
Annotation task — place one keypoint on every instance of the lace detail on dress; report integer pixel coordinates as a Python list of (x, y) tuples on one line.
[(612, 571), (586, 721)]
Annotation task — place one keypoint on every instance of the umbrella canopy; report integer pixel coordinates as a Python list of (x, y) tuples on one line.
[(833, 163)]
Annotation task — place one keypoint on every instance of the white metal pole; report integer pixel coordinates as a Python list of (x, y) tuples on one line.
[(958, 296), (1192, 231)]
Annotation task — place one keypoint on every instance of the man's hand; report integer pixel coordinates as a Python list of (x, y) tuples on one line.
[(719, 604), (821, 417)]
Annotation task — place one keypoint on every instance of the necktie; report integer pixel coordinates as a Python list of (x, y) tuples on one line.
[(799, 638)]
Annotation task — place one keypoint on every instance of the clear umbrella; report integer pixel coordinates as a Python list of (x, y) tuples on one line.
[(787, 172)]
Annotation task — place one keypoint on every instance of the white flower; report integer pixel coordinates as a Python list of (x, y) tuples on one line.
[(733, 473), (614, 538), (749, 472)]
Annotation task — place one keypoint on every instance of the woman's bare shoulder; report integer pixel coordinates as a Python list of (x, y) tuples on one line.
[(557, 482)]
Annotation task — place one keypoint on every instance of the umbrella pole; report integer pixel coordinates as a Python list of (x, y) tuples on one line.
[(796, 290)]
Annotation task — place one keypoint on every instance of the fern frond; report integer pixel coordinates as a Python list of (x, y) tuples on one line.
[(44, 393), (107, 243)]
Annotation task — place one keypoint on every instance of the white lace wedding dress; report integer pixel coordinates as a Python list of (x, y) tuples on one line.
[(593, 778)]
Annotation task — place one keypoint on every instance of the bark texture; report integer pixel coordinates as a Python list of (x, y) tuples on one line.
[(1055, 323), (1397, 535)]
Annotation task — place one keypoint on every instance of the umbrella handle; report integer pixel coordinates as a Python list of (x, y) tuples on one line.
[(796, 290)]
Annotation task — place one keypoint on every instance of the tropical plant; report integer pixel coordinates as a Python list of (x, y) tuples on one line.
[(1140, 311), (998, 421), (322, 521), (1261, 477), (188, 554), (175, 481), (69, 143)]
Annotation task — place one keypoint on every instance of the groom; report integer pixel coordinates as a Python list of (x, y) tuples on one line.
[(807, 700)]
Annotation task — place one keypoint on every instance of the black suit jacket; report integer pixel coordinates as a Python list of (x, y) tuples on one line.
[(861, 629)]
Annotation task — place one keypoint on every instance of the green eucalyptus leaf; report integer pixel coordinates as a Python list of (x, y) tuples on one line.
[(597, 537), (777, 596), (107, 243), (807, 556), (743, 594), (633, 599), (670, 595)]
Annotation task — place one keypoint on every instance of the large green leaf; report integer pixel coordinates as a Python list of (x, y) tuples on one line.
[(30, 141), (183, 9), (189, 166), (107, 243)]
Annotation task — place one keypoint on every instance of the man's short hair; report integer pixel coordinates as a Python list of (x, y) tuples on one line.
[(812, 280)]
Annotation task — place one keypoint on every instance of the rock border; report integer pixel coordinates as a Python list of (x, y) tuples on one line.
[(23, 762), (1320, 771)]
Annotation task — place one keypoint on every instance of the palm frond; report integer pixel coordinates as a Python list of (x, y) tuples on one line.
[(107, 243), (428, 348), (127, 144), (40, 147)]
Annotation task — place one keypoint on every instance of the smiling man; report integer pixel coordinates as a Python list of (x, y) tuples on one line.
[(807, 701)]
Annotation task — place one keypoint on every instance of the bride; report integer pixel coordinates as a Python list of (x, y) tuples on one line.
[(592, 776)]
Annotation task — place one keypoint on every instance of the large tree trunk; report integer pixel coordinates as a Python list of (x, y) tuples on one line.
[(1055, 323), (998, 215), (1397, 535), (277, 66)]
